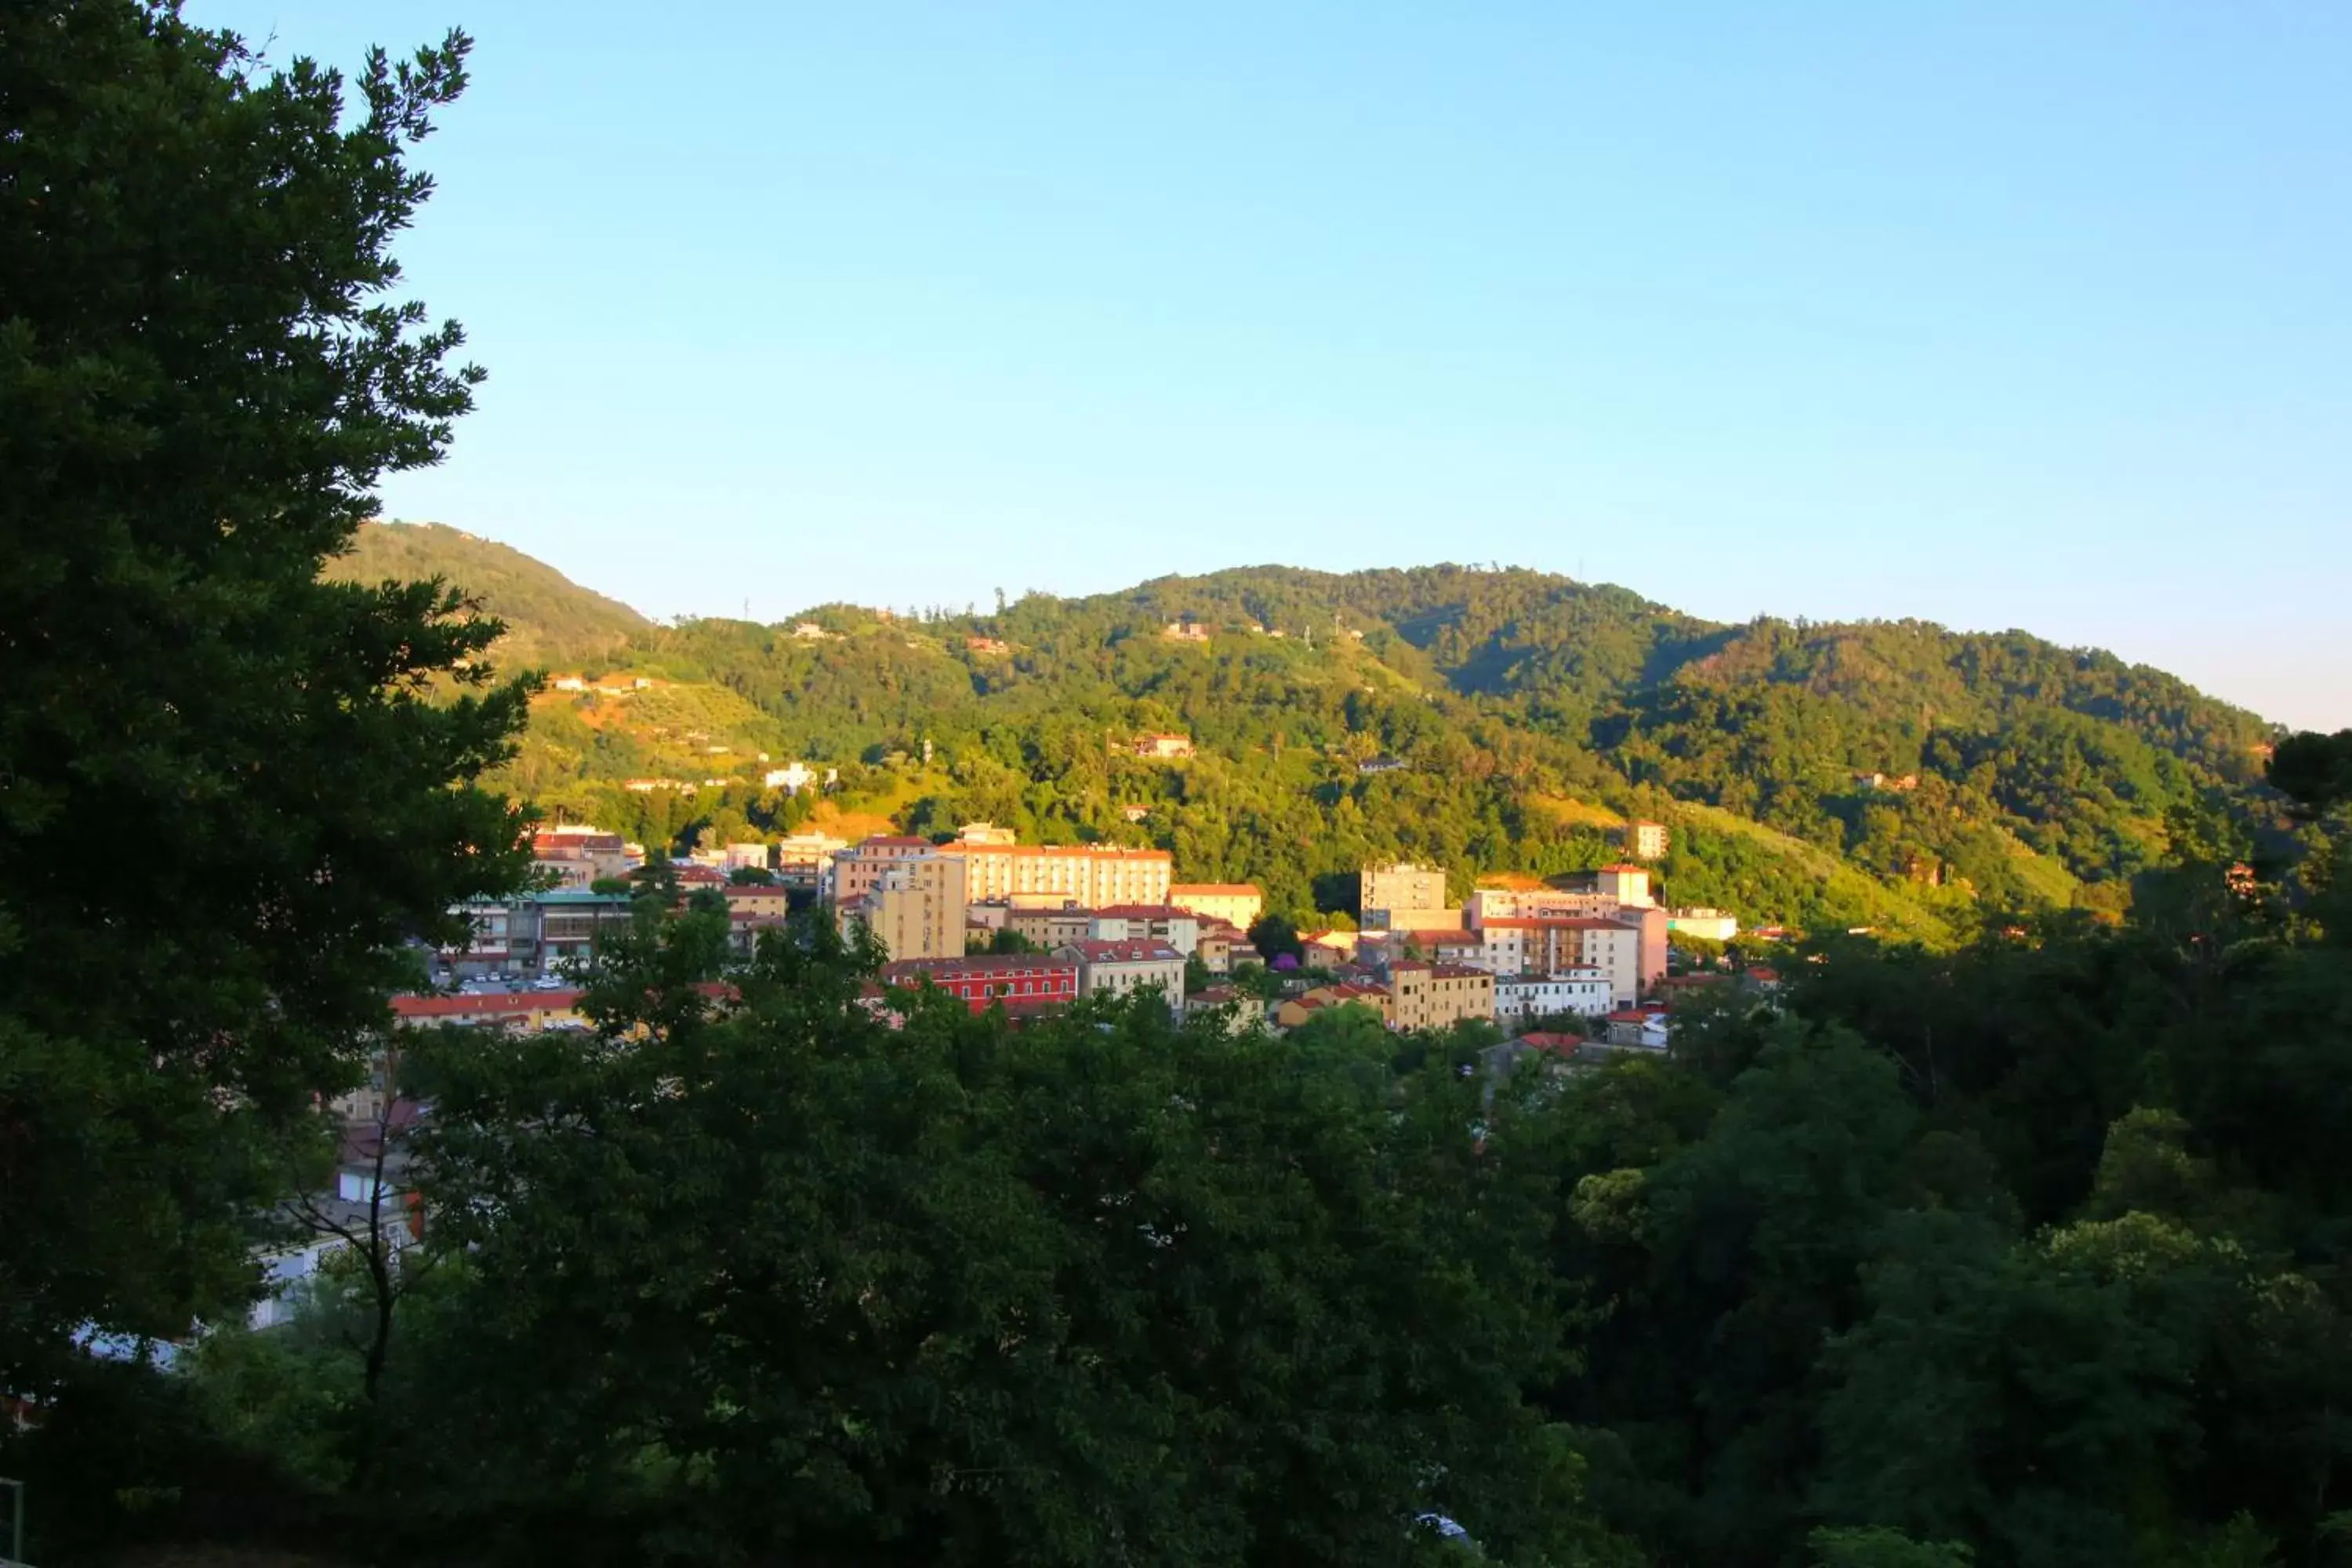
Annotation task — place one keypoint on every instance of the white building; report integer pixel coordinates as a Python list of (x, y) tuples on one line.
[(1708, 925), (1524, 998), (1540, 947), (793, 777), (1122, 968)]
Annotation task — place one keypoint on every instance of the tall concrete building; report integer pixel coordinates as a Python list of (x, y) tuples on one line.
[(914, 906), (1390, 895), (1424, 995), (857, 869)]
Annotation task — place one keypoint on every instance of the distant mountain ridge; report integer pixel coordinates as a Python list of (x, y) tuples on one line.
[(1946, 770)]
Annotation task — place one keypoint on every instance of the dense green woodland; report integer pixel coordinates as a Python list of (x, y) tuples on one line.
[(2045, 777), (2020, 1245)]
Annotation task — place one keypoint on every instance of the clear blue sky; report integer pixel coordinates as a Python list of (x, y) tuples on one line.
[(1996, 313)]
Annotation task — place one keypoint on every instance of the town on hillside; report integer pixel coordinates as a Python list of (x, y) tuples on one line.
[(1034, 927), (1568, 972)]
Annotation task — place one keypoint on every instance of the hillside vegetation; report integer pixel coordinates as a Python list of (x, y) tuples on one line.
[(1893, 774), (550, 620)]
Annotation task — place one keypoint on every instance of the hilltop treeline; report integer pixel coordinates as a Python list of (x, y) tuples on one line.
[(1939, 773)]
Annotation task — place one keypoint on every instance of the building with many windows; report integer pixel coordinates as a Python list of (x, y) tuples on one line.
[(857, 869), (1402, 889), (1122, 968), (1089, 876), (1424, 995), (914, 906), (1523, 999), (1017, 982)]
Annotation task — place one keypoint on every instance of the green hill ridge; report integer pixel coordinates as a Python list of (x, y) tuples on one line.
[(550, 620), (1893, 774)]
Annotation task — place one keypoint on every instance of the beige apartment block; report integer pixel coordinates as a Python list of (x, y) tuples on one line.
[(916, 907), (1423, 996)]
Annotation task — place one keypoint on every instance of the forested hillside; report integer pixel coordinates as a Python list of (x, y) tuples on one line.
[(550, 619), (1885, 773)]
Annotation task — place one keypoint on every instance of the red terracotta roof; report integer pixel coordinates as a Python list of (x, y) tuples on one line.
[(510, 1003)]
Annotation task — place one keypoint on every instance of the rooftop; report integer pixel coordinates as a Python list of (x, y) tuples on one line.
[(1138, 951), (906, 970)]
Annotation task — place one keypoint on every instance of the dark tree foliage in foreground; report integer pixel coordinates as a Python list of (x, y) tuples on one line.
[(1103, 1289), (200, 377)]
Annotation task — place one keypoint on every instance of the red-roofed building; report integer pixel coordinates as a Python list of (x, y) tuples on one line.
[(1017, 981), (1325, 998), (514, 1009)]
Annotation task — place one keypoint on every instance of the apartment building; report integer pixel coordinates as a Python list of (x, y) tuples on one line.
[(1486, 904), (502, 939), (1425, 995), (1385, 892), (1522, 999), (570, 922), (757, 898), (857, 869), (1180, 929), (579, 854), (1540, 947), (1050, 928), (1238, 904), (1090, 876), (1017, 982), (1122, 968), (802, 858), (914, 906)]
